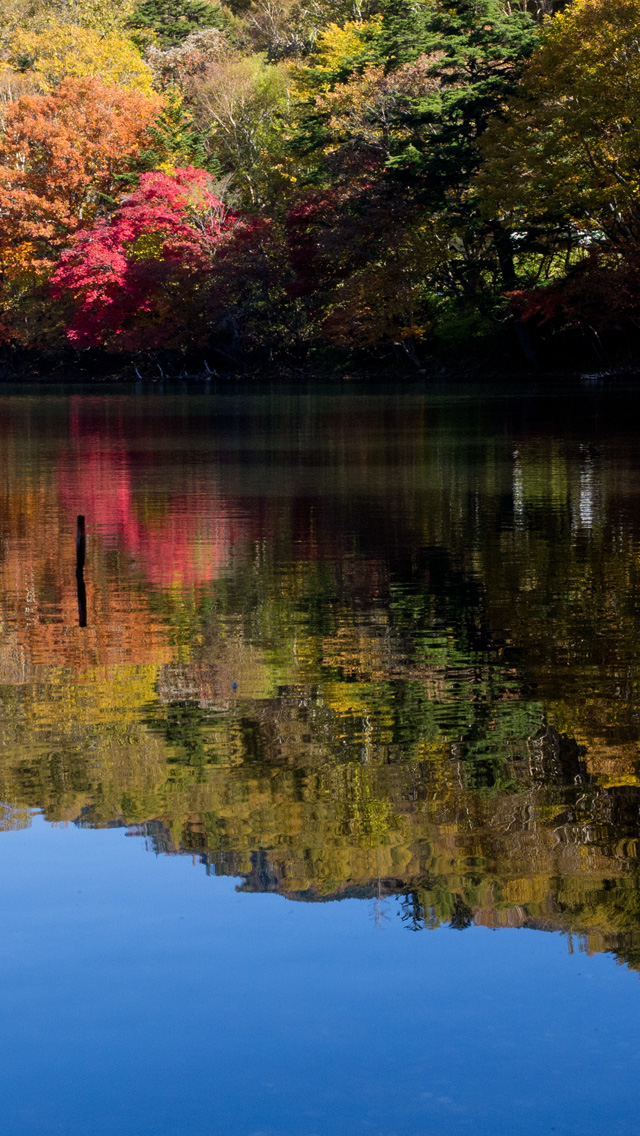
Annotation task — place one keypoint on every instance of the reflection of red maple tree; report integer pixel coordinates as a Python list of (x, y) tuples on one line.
[(183, 537)]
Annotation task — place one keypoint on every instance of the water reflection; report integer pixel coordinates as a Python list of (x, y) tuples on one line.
[(337, 644)]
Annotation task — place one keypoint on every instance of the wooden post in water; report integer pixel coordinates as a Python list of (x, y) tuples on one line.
[(80, 554)]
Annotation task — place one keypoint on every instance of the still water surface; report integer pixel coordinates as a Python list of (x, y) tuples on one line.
[(371, 647)]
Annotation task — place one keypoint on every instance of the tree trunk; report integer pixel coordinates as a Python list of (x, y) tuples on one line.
[(504, 251)]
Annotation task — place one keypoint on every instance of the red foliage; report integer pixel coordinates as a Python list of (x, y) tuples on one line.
[(131, 281), (184, 536), (600, 293), (302, 222)]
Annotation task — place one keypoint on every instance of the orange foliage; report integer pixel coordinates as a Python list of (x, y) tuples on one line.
[(40, 607), (60, 157)]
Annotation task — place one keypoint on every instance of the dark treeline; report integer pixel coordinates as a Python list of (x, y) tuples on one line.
[(282, 181)]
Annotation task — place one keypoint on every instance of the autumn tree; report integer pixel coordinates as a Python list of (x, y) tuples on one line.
[(289, 29), (562, 170), (406, 166), (55, 53), (390, 115), (181, 64), (176, 139), (567, 154), (242, 103), (371, 112), (61, 155), (137, 280), (103, 16)]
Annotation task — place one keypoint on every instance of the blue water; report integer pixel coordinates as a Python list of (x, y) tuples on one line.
[(140, 995)]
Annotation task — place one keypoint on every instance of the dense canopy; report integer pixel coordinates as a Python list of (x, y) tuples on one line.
[(407, 180)]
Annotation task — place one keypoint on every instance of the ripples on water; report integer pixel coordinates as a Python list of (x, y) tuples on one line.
[(338, 644)]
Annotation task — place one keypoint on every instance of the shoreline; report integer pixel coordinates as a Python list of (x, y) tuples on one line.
[(20, 372)]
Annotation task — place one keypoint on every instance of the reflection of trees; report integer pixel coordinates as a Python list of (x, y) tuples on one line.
[(409, 667)]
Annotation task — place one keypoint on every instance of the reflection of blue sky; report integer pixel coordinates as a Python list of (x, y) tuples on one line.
[(140, 996)]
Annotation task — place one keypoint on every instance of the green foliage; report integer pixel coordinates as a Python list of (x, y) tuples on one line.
[(476, 50), (241, 102), (409, 95), (176, 140), (567, 150), (171, 21)]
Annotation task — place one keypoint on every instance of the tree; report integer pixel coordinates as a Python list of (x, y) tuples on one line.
[(477, 51), (340, 53), (54, 53), (171, 21), (242, 102), (136, 280), (561, 170), (400, 111), (179, 65), (599, 293), (103, 16), (174, 140), (61, 155), (370, 112), (565, 160), (287, 29)]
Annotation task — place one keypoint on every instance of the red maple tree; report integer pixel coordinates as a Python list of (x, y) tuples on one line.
[(136, 280)]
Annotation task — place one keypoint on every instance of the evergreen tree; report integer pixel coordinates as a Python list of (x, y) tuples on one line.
[(419, 95), (478, 50), (171, 21), (176, 139)]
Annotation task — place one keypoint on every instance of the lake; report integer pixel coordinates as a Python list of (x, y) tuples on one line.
[(327, 822)]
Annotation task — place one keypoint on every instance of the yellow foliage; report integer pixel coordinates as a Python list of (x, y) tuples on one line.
[(337, 46), (339, 51), (570, 141), (66, 50), (104, 16)]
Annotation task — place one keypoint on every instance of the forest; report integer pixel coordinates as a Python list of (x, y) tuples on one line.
[(231, 186)]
